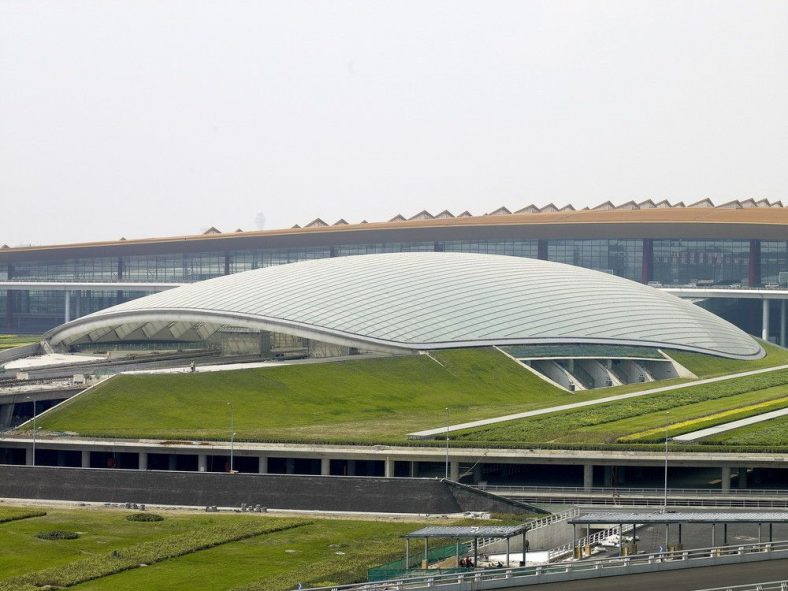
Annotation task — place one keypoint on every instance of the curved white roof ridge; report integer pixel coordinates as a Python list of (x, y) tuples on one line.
[(428, 300)]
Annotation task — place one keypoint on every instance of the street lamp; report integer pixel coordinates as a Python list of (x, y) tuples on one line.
[(34, 428), (232, 436), (447, 443), (665, 498)]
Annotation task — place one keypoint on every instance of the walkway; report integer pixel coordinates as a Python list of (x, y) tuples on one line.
[(732, 425), (430, 433)]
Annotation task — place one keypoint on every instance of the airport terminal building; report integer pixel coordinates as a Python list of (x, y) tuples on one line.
[(742, 245)]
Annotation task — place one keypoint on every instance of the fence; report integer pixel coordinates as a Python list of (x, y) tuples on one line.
[(497, 578)]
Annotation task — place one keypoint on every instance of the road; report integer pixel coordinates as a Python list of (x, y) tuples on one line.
[(690, 579)]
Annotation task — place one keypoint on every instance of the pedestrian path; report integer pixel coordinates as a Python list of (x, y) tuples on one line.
[(430, 433), (702, 433)]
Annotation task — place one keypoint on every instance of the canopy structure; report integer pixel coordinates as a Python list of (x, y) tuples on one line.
[(405, 302)]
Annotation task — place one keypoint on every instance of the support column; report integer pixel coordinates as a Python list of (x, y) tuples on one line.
[(262, 465), (454, 471), (325, 466), (29, 456), (289, 465), (351, 467), (742, 477), (6, 414), (85, 458), (765, 321), (202, 462), (588, 476), (782, 323), (608, 476), (388, 468), (67, 315), (143, 460), (172, 462), (726, 479)]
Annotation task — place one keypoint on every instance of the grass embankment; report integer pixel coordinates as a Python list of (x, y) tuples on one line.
[(771, 433), (377, 400), (612, 422), (707, 366), (9, 341), (194, 551)]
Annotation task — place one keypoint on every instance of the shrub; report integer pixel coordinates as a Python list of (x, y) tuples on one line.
[(144, 517), (57, 534)]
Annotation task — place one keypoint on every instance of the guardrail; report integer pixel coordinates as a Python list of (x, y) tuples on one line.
[(692, 492), (535, 524), (560, 551), (500, 577), (770, 586)]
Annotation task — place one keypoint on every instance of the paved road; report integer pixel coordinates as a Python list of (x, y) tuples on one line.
[(690, 579), (732, 425), (429, 433)]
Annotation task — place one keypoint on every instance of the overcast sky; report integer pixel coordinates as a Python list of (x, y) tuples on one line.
[(151, 118)]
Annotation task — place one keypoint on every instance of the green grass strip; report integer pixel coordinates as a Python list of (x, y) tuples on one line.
[(14, 514), (150, 552)]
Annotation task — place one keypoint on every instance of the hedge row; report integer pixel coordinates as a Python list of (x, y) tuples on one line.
[(13, 514)]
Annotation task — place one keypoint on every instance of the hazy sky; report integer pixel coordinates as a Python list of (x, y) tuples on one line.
[(147, 118)]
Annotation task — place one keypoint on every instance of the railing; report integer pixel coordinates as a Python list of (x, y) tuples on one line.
[(522, 575), (770, 586), (502, 489), (536, 524), (560, 551)]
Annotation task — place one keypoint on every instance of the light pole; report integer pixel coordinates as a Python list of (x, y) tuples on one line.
[(665, 497), (34, 428), (232, 436), (447, 443)]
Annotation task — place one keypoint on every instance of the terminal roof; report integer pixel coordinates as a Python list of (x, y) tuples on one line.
[(606, 517), (466, 531)]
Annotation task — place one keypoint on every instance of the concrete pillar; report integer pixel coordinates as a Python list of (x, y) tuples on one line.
[(85, 458), (588, 476), (6, 414), (782, 323), (388, 468), (454, 471), (765, 321), (172, 462), (726, 478), (289, 465), (351, 467), (414, 469), (262, 465), (29, 456), (742, 477), (67, 302), (608, 476), (143, 460), (202, 462), (325, 467), (477, 474)]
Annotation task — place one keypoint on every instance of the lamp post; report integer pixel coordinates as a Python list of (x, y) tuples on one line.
[(232, 436), (34, 428), (665, 497), (447, 443)]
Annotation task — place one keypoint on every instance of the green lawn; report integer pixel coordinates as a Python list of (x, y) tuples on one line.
[(606, 423), (707, 366), (9, 341), (358, 400), (271, 558)]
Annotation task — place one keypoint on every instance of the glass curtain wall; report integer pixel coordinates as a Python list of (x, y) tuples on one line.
[(623, 258), (774, 262), (684, 262)]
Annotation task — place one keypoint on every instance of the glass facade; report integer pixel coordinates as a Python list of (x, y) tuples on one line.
[(618, 257), (774, 260), (516, 248), (689, 261), (677, 262)]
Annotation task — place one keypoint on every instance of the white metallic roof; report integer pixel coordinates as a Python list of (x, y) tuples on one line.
[(429, 300)]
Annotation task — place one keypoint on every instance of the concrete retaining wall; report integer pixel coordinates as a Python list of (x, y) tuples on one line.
[(326, 493)]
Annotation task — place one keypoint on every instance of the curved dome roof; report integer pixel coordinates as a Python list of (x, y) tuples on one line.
[(430, 300)]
